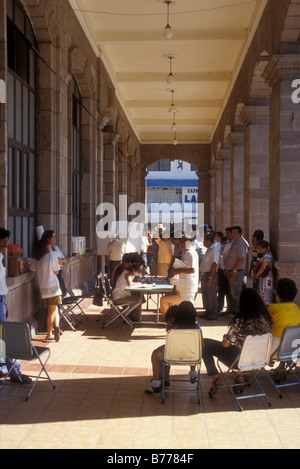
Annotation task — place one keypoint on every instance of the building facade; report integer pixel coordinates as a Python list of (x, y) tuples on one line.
[(66, 145)]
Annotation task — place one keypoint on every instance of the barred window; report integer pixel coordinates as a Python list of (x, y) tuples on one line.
[(21, 91)]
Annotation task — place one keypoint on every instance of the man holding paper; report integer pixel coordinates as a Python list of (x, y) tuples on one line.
[(187, 270)]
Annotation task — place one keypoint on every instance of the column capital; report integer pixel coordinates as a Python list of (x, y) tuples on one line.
[(254, 114), (281, 66)]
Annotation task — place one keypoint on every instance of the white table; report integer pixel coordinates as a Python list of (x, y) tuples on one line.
[(150, 289)]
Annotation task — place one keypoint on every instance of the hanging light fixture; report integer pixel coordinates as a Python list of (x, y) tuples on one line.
[(173, 126), (170, 78), (172, 107), (168, 31), (175, 141)]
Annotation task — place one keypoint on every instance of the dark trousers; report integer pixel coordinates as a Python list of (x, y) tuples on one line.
[(214, 349), (209, 295)]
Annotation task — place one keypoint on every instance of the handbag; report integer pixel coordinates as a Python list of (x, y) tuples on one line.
[(98, 296)]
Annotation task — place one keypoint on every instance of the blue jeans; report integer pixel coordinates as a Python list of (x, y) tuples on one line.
[(7, 365)]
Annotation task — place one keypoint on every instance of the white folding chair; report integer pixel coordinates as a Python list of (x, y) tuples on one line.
[(117, 311), (18, 346), (288, 355), (183, 348), (254, 357)]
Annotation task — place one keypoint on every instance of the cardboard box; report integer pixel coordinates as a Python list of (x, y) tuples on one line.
[(17, 266)]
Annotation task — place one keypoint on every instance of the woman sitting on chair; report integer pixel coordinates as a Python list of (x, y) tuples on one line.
[(183, 316), (284, 313), (252, 318), (121, 296)]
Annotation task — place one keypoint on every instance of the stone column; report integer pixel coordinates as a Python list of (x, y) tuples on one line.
[(3, 115), (226, 185), (204, 193), (237, 178), (219, 187), (282, 73), (256, 169), (212, 174), (109, 168)]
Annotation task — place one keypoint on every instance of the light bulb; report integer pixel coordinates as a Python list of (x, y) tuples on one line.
[(174, 127), (171, 79), (172, 108), (175, 141), (168, 32)]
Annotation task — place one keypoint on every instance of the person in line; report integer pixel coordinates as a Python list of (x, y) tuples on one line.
[(47, 267), (252, 318), (121, 296), (187, 273), (115, 250), (255, 256), (235, 265), (285, 313), (185, 318), (16, 375), (264, 273), (51, 237), (209, 277)]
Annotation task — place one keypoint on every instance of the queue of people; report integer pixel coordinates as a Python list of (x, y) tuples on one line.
[(267, 306)]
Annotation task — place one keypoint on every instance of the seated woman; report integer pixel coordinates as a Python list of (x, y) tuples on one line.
[(284, 313), (252, 318), (183, 316), (46, 266), (121, 296), (264, 273)]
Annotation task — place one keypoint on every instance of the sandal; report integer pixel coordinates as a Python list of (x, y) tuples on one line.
[(239, 379), (214, 387)]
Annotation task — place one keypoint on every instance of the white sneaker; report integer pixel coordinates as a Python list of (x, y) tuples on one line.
[(153, 387), (193, 376)]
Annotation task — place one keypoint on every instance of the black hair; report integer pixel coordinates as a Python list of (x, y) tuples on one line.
[(41, 248), (286, 289), (4, 233), (172, 312), (252, 308), (48, 234), (186, 315), (259, 235)]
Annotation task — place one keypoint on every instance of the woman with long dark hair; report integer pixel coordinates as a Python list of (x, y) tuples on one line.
[(252, 318), (47, 268)]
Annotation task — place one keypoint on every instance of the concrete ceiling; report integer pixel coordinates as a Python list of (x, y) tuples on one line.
[(211, 38)]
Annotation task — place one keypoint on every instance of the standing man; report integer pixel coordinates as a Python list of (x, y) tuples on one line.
[(235, 265), (187, 270), (209, 277), (16, 375)]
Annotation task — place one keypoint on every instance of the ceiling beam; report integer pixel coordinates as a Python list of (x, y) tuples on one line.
[(167, 122), (144, 77), (106, 37), (200, 103)]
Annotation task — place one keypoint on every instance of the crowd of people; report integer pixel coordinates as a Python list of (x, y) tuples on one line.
[(221, 264)]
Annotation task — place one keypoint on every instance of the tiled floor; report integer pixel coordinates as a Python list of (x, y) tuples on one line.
[(99, 400)]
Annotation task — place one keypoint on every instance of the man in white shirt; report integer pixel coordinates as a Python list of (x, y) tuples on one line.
[(16, 374), (187, 270), (116, 250), (209, 277)]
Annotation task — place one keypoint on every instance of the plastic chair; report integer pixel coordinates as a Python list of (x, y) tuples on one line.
[(288, 356), (254, 357), (183, 348), (119, 311), (18, 346)]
